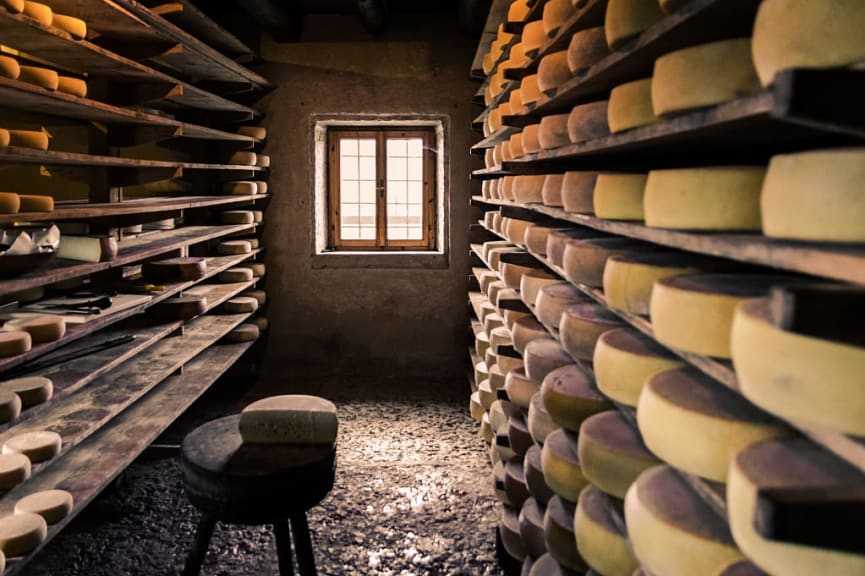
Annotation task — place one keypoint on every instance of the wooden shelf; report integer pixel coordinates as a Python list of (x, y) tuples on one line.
[(187, 16), (491, 172), (493, 139), (498, 13)]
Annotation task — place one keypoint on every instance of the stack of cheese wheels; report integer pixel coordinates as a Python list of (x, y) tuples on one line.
[(587, 48), (787, 464), (584, 260), (704, 75), (552, 191), (559, 533), (535, 482), (799, 377), (792, 34), (561, 464), (528, 189), (601, 536), (631, 106), (525, 330), (552, 301), (540, 422), (542, 357), (711, 198), (624, 360), (553, 131), (694, 312), (532, 528), (553, 71), (719, 422), (790, 209), (588, 121), (619, 196), (628, 18), (672, 530), (578, 191), (582, 324), (569, 397)]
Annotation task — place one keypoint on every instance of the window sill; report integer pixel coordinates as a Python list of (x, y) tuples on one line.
[(403, 259)]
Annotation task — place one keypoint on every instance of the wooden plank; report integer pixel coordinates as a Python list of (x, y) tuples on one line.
[(497, 15), (20, 155), (187, 16), (491, 172), (490, 141)]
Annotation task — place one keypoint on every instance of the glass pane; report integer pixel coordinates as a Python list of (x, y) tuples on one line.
[(367, 147), (396, 233), (350, 233), (367, 168), (396, 192), (415, 193), (396, 147), (348, 168), (350, 209), (367, 214), (367, 233), (415, 147), (396, 168), (415, 233), (367, 191), (347, 147), (348, 191), (415, 169)]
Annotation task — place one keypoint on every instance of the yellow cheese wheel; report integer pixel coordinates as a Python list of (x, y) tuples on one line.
[(22, 533), (703, 75), (35, 203), (619, 196), (40, 12), (553, 71), (561, 465), (44, 328), (801, 378), (257, 132), (509, 530), (695, 312), (14, 469), (243, 157), (515, 101), (791, 209), (672, 530), (531, 141), (73, 86), (582, 324), (530, 90), (14, 6), (711, 198), (14, 343), (542, 357), (631, 106), (587, 48), (552, 301), (52, 505), (75, 27), (556, 14), (528, 189), (719, 422), (29, 139), (518, 11), (262, 160), (10, 203), (5, 137), (802, 34), (534, 36), (789, 463), (525, 330), (540, 423), (553, 131), (584, 259), (628, 18), (32, 390), (558, 240), (559, 533), (578, 190), (601, 538), (569, 397), (531, 520), (588, 122), (37, 446), (534, 474), (240, 188), (551, 193), (9, 67)]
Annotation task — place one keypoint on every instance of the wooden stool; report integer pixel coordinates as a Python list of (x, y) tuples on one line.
[(238, 483)]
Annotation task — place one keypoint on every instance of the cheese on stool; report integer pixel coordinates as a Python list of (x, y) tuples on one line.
[(578, 190), (712, 198), (40, 12), (631, 106), (588, 121), (803, 34), (509, 530), (624, 359), (552, 301), (695, 312), (289, 419), (236, 275), (619, 196), (531, 142), (559, 533), (553, 71), (529, 189), (14, 343), (73, 86), (52, 505), (672, 530), (628, 18), (37, 446), (553, 131), (531, 520), (569, 397), (703, 75), (75, 27), (791, 209), (539, 421), (719, 422), (561, 465), (587, 48), (32, 390), (45, 328), (534, 475), (20, 534), (584, 260), (42, 77), (520, 388), (582, 324), (10, 406), (234, 247), (599, 532), (14, 469), (35, 139), (10, 203), (787, 464)]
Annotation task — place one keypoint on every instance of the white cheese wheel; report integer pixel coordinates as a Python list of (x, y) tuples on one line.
[(486, 394), (535, 239), (582, 324), (14, 469), (541, 424), (32, 390), (534, 281), (703, 75), (482, 343), (500, 337), (569, 397), (584, 260), (20, 534), (552, 301), (695, 312), (790, 463), (801, 378), (37, 446), (558, 240), (600, 535), (520, 388), (528, 189), (619, 196), (52, 505), (542, 357), (73, 86), (482, 372), (791, 209), (561, 465), (257, 132), (588, 122), (672, 530), (803, 34), (525, 330), (553, 71), (244, 158), (515, 230), (578, 190), (36, 139), (14, 343), (531, 521), (10, 406), (40, 12), (531, 139), (534, 36), (38, 76), (719, 422), (711, 198), (497, 376), (492, 245), (232, 247), (553, 131), (559, 533), (631, 106), (246, 332), (240, 188), (509, 530), (534, 475), (624, 360), (552, 190), (493, 321), (237, 217), (485, 432), (511, 317), (75, 27), (512, 274), (44, 328), (236, 275), (10, 203), (628, 18), (475, 409), (262, 160), (240, 305), (289, 419), (587, 48)]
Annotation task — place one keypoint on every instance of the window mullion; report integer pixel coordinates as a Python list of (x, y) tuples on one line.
[(381, 190)]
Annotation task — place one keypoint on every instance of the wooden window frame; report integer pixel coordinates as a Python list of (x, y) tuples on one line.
[(381, 134)]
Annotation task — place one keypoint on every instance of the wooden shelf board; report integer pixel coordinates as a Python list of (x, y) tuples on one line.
[(491, 172), (498, 14), (57, 158), (495, 138), (187, 16)]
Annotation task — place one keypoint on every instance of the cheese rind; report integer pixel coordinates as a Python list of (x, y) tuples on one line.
[(559, 533), (569, 397), (552, 190), (627, 18), (73, 86), (14, 343), (37, 446), (587, 48), (236, 275), (233, 247), (38, 76), (531, 521), (552, 301), (10, 203), (240, 188), (52, 505), (619, 196), (240, 305), (561, 465), (289, 419), (584, 260), (531, 141), (588, 121), (14, 469), (553, 71), (10, 406), (20, 534), (32, 390), (44, 328), (520, 388), (36, 139), (534, 473), (246, 332), (631, 106), (600, 540), (578, 190), (75, 27), (539, 421), (556, 14), (183, 269), (530, 90), (553, 131), (542, 357)]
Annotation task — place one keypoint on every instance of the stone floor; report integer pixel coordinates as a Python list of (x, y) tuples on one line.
[(412, 496)]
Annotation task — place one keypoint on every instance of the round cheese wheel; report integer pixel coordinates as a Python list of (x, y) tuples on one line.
[(631, 106), (246, 332), (243, 157), (5, 137), (14, 343), (14, 6), (703, 75), (233, 247), (262, 322), (475, 409), (262, 160), (553, 131), (9, 67), (695, 312), (672, 530), (73, 86), (20, 534), (559, 533), (534, 36), (546, 565), (600, 534), (498, 479), (257, 132), (578, 190), (561, 465), (493, 321), (495, 120), (553, 71), (492, 245), (41, 13), (569, 397), (35, 203), (259, 295), (556, 14), (619, 196), (37, 446), (531, 137), (791, 209), (75, 27), (541, 424), (531, 520), (240, 305), (482, 372), (515, 485), (179, 308), (482, 343), (802, 34), (518, 434), (32, 390), (509, 530), (584, 259), (515, 229), (526, 330), (500, 337), (10, 203), (486, 394), (10, 406), (240, 188), (528, 189), (801, 378), (551, 194), (536, 237), (516, 143), (520, 388), (52, 505), (14, 469), (712, 198), (588, 121), (44, 328), (35, 139), (260, 187), (533, 282), (628, 18), (587, 48), (719, 422), (183, 269), (778, 464), (582, 324), (236, 275), (624, 359), (511, 317), (512, 274), (258, 268), (534, 474), (558, 240)]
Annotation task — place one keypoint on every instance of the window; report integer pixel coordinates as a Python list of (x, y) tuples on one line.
[(381, 188)]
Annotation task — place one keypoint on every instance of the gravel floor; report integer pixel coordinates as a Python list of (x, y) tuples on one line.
[(412, 496)]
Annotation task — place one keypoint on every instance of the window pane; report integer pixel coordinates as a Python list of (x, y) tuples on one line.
[(396, 192), (367, 147), (396, 168), (415, 193), (398, 233), (396, 147), (415, 233), (367, 214), (348, 147), (348, 191), (347, 168), (367, 191), (367, 233), (367, 168), (415, 147), (415, 169), (350, 233)]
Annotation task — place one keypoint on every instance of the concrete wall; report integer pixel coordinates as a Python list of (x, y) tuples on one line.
[(364, 320)]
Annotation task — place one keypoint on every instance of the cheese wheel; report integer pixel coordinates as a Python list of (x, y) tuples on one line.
[(240, 188), (534, 474), (509, 530), (540, 423), (546, 565), (559, 533), (482, 372), (500, 337), (703, 75), (561, 464), (14, 469), (506, 192), (243, 157), (262, 160), (289, 419), (10, 203), (511, 317), (553, 131), (236, 275), (791, 209), (556, 14), (516, 145), (712, 198), (587, 48), (624, 360), (42, 77), (257, 132), (515, 229), (578, 190), (535, 239), (40, 12), (261, 323), (672, 530), (719, 422), (260, 187), (558, 240), (588, 121), (44, 328), (619, 196), (486, 394), (695, 312), (29, 295), (9, 67), (552, 301), (531, 523), (179, 308), (258, 268), (493, 321), (802, 34), (14, 6), (183, 269), (5, 137), (240, 305), (778, 464), (553, 71), (75, 27), (232, 247), (518, 434), (14, 343), (37, 446), (237, 217), (631, 106), (498, 478), (10, 406), (582, 324), (32, 390), (73, 86), (35, 139), (515, 101), (551, 194), (801, 378), (475, 409), (534, 36), (570, 397), (520, 388), (528, 189), (20, 534), (499, 417), (599, 529), (515, 486), (492, 245), (497, 376), (530, 90), (482, 343), (495, 120), (584, 260), (52, 505), (531, 138), (628, 18), (512, 274), (525, 330), (35, 203)]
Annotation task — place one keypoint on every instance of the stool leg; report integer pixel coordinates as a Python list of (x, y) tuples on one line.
[(283, 548), (199, 546), (303, 545)]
